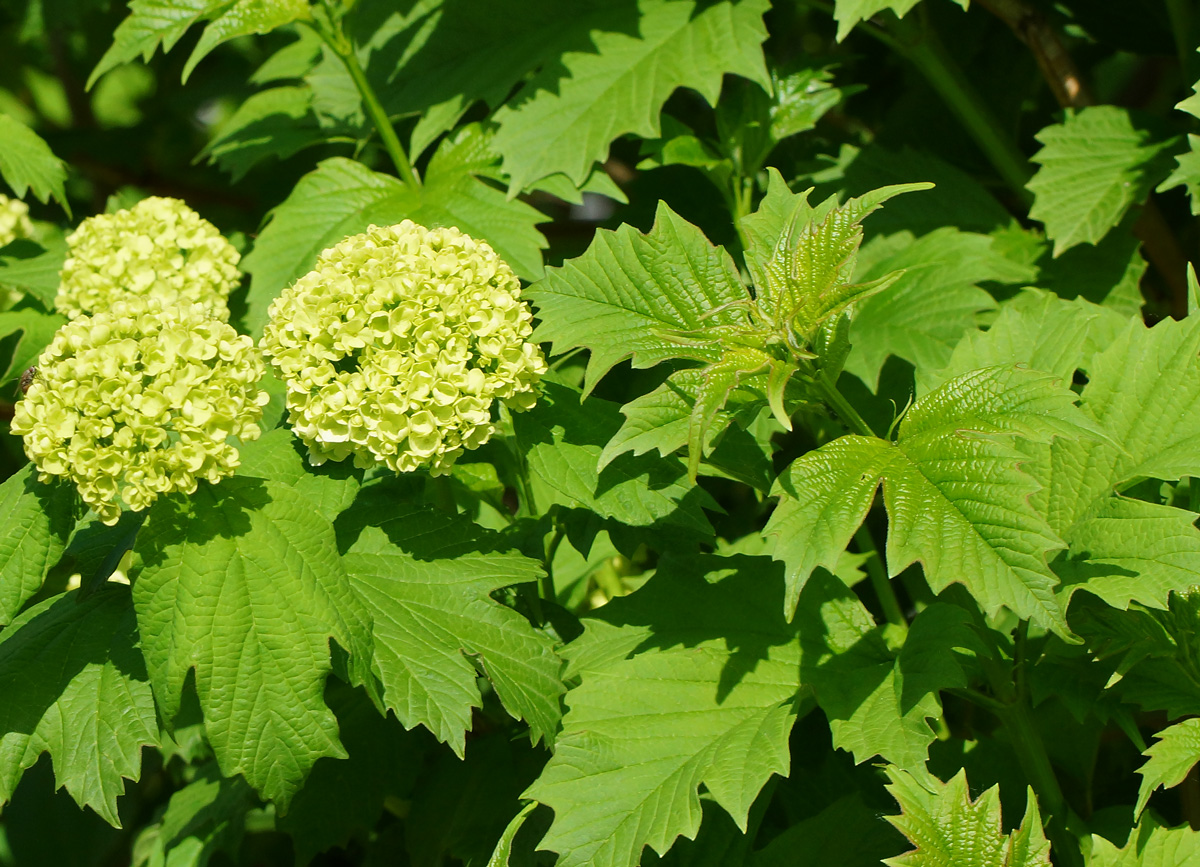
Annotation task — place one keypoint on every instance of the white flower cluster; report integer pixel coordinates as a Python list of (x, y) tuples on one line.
[(160, 247), (395, 346), (139, 400), (14, 220)]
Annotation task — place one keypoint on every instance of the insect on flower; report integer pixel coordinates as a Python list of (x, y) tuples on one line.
[(27, 378)]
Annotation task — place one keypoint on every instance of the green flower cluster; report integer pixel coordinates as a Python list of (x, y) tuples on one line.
[(14, 220), (395, 346), (160, 247), (140, 400)]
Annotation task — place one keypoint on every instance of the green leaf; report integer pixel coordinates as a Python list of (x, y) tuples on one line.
[(149, 24), (566, 116), (562, 438), (37, 275), (503, 851), (37, 330), (74, 685), (947, 827), (27, 163), (241, 582), (343, 798), (203, 818), (691, 680), (1169, 760), (630, 293), (1094, 167), (426, 579), (278, 455), (937, 300), (342, 197), (956, 499), (243, 18), (273, 123), (1036, 329), (1149, 845), (37, 519), (1187, 163)]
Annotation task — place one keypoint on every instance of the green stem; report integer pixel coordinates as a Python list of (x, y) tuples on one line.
[(879, 579), (926, 52), (332, 34), (848, 414)]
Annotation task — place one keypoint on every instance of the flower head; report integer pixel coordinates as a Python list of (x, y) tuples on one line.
[(395, 345), (140, 400), (14, 220), (159, 247)]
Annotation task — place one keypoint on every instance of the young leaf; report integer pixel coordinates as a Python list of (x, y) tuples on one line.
[(1094, 167), (342, 197), (1169, 760), (925, 312), (241, 583), (956, 499), (27, 163), (74, 685), (37, 519), (947, 827), (692, 680), (629, 294), (566, 116), (426, 579), (563, 438)]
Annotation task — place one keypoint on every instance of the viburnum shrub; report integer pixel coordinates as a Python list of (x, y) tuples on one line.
[(734, 433)]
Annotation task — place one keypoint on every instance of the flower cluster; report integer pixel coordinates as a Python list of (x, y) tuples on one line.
[(395, 346), (160, 248), (14, 220), (140, 400)]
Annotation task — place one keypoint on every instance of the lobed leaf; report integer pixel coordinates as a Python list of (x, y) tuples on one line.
[(566, 116), (1149, 845), (692, 680), (1169, 760), (632, 295), (75, 686), (241, 583), (427, 579), (1094, 167)]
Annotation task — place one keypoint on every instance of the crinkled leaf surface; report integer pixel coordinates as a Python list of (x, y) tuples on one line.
[(1149, 845), (563, 437), (629, 293), (75, 685), (241, 582), (934, 302), (27, 163), (427, 580), (692, 680), (1094, 167), (278, 455), (342, 197), (1169, 759), (948, 827), (956, 499), (564, 118), (37, 519)]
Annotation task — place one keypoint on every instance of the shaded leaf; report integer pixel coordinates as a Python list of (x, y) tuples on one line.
[(1169, 759), (27, 163), (37, 519)]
